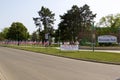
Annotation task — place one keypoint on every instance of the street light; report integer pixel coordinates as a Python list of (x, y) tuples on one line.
[(119, 35), (93, 36), (59, 31)]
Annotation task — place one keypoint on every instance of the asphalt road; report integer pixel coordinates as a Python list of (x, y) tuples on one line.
[(24, 65)]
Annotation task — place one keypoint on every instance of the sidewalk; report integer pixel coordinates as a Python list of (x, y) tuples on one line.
[(88, 49), (101, 49), (114, 51)]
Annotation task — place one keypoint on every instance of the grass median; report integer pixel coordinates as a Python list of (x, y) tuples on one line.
[(102, 57)]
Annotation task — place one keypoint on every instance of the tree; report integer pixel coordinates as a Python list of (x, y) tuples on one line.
[(3, 34), (47, 18), (109, 24), (18, 32), (5, 31), (75, 22), (34, 36)]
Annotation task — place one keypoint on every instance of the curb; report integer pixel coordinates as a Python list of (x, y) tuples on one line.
[(103, 62)]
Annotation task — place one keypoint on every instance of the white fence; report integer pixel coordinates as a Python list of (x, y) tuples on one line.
[(69, 47)]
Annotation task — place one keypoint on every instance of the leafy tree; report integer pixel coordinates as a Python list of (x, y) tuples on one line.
[(75, 22), (110, 21), (3, 34), (5, 31), (47, 18), (109, 24), (57, 35), (17, 31), (34, 36)]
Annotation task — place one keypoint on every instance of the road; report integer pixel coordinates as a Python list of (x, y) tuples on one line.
[(24, 65)]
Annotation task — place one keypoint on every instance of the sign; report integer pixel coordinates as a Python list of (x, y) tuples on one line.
[(69, 47), (107, 39)]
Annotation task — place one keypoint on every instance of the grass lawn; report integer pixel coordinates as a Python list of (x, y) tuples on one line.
[(104, 57)]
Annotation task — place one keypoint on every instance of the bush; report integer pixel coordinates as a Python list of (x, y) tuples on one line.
[(54, 45), (108, 44)]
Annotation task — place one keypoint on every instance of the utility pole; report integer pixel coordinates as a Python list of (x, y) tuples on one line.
[(93, 36)]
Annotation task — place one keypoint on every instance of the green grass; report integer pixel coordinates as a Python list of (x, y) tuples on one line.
[(104, 57)]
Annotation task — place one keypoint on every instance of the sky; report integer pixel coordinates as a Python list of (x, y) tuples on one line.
[(24, 10)]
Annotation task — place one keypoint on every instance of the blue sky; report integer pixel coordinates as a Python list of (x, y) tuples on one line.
[(24, 10)]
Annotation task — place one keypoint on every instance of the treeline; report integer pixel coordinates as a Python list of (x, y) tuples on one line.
[(76, 25)]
